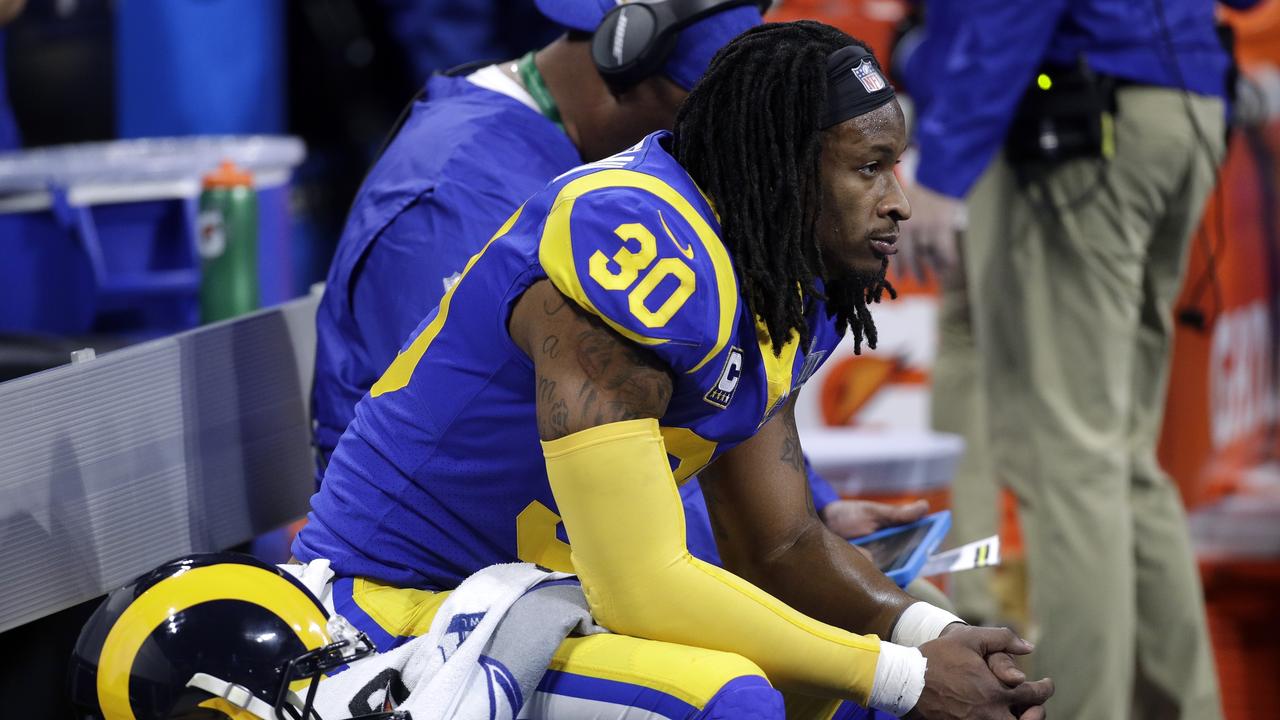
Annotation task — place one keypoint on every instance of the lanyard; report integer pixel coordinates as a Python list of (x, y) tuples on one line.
[(537, 88)]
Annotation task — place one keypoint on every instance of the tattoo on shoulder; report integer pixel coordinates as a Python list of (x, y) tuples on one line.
[(622, 382), (559, 417), (619, 381), (551, 347), (553, 411), (546, 389), (791, 453)]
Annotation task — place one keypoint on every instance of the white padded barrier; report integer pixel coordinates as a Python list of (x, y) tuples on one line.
[(117, 463)]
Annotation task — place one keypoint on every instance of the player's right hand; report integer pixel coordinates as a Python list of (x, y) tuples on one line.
[(928, 241), (854, 518), (959, 684)]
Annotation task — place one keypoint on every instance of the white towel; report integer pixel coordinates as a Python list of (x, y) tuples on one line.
[(445, 673), (317, 577)]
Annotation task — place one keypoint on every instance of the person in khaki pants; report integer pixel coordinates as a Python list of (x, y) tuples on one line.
[(1057, 326)]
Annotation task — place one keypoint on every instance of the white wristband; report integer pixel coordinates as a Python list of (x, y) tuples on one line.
[(921, 623), (899, 679)]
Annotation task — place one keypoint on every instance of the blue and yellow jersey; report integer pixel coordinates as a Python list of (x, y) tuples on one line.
[(441, 472)]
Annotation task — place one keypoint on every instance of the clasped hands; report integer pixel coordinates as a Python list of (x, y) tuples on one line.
[(971, 675)]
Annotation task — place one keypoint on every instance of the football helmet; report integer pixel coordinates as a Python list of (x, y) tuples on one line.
[(216, 635)]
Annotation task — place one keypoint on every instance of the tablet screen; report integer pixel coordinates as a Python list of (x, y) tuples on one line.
[(894, 550)]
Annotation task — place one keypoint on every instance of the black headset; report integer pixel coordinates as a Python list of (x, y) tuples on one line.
[(634, 39)]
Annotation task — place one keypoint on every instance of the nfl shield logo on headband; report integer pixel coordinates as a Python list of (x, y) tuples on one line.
[(869, 76)]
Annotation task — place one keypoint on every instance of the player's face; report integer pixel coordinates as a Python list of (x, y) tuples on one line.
[(862, 202)]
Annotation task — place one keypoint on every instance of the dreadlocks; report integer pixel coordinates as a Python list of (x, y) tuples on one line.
[(748, 135)]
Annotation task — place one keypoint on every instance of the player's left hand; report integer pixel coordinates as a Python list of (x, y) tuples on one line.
[(1006, 670), (955, 689), (1002, 664), (855, 518)]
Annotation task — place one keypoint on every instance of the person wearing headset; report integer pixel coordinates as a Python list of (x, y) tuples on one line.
[(1086, 136), (643, 318), (470, 149)]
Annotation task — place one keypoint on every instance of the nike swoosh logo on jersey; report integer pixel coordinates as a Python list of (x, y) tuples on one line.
[(686, 251)]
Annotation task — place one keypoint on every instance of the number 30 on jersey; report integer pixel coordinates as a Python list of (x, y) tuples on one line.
[(636, 271)]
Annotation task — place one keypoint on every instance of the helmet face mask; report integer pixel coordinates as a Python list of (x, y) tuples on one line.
[(313, 664), (217, 635), (308, 668)]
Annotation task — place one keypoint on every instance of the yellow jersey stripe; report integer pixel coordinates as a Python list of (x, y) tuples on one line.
[(401, 369), (180, 592), (777, 368), (692, 674), (709, 204), (556, 251), (693, 451), (401, 612), (536, 540)]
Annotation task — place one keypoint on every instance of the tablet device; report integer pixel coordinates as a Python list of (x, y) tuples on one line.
[(901, 551)]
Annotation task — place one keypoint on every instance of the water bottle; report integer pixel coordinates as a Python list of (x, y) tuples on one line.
[(228, 243)]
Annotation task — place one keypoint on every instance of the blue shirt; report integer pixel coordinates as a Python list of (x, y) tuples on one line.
[(981, 55), (462, 162), (439, 34), (441, 473)]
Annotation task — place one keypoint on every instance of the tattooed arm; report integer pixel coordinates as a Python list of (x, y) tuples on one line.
[(758, 494), (598, 399), (586, 374), (769, 533)]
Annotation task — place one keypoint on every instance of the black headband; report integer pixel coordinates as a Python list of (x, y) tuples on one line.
[(855, 85)]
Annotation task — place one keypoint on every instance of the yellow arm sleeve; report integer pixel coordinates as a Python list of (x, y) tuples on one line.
[(625, 522)]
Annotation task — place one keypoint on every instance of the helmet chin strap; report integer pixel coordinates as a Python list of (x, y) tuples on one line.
[(236, 700), (239, 703)]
